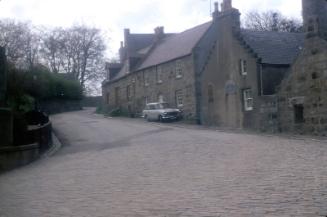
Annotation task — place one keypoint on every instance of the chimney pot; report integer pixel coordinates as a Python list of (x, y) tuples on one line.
[(216, 7), (226, 5)]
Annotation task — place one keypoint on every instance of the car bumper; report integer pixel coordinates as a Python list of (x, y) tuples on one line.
[(171, 117)]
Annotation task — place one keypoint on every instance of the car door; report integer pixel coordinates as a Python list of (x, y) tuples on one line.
[(151, 111)]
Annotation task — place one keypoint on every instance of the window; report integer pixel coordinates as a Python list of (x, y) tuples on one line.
[(117, 93), (298, 114), (146, 100), (210, 93), (146, 80), (160, 98), (243, 67), (107, 97), (179, 98), (159, 74), (128, 92), (179, 71), (248, 100)]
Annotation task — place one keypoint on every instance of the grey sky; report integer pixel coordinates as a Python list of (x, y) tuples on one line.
[(138, 15)]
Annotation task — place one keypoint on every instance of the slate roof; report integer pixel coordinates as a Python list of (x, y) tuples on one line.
[(274, 47), (175, 46), (140, 41)]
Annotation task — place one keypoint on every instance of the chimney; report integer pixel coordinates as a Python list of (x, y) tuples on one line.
[(159, 33), (226, 5), (122, 52), (215, 13), (314, 14), (126, 37)]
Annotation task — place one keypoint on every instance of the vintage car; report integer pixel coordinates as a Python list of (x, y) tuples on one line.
[(160, 111)]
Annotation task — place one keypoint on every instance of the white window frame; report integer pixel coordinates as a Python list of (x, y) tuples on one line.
[(146, 80), (248, 99), (178, 69), (160, 98), (243, 65), (159, 74), (179, 98)]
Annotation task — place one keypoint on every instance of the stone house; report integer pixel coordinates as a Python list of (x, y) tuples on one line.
[(303, 94), (221, 74), (238, 83), (155, 67)]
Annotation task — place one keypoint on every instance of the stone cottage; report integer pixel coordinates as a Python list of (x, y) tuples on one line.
[(239, 81), (221, 74), (156, 67), (303, 94)]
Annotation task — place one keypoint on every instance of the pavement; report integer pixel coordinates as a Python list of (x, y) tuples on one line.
[(132, 168)]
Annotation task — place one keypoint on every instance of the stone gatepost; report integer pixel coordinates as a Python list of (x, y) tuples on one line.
[(6, 117), (6, 127), (3, 77)]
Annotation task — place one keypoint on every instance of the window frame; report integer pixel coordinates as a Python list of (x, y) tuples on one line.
[(178, 69), (117, 96), (146, 80), (128, 92), (243, 67), (160, 98), (108, 98), (210, 94), (159, 75), (179, 98), (248, 97)]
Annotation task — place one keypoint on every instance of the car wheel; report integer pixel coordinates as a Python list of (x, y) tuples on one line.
[(160, 118), (146, 118)]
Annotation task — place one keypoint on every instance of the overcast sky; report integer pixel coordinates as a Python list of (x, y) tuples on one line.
[(138, 15)]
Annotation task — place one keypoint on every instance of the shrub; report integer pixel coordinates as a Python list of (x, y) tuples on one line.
[(41, 84)]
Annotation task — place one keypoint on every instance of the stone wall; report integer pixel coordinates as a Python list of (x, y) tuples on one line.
[(303, 96), (16, 156), (91, 101), (6, 127), (38, 139), (58, 106), (143, 87)]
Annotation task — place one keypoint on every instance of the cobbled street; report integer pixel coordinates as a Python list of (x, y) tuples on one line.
[(131, 168)]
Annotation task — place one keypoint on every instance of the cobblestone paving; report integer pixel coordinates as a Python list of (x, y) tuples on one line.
[(113, 168)]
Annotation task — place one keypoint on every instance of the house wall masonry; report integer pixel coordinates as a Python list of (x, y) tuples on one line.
[(222, 74), (302, 98), (232, 77), (303, 95), (133, 91)]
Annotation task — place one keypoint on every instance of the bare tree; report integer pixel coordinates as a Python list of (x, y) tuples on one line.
[(53, 42), (89, 64), (78, 50), (271, 21), (20, 41)]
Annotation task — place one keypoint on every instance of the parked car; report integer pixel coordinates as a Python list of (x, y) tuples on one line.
[(160, 111)]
